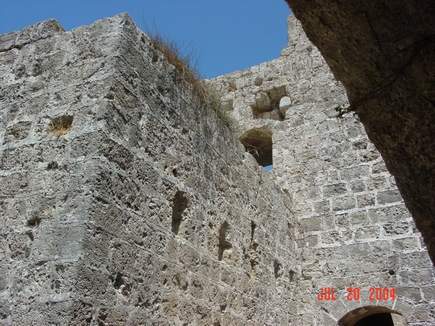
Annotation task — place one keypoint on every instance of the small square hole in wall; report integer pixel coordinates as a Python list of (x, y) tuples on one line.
[(271, 104), (60, 126)]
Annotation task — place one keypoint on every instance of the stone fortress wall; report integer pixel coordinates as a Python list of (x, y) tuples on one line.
[(122, 200), (125, 202), (355, 230)]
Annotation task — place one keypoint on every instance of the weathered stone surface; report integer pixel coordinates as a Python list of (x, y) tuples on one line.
[(31, 34), (383, 52), (354, 230), (123, 201)]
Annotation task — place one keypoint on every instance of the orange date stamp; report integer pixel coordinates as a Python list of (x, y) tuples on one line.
[(375, 294)]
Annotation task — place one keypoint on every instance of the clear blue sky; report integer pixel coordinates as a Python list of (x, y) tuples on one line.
[(223, 36)]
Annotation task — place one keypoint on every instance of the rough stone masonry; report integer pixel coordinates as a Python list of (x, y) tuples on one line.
[(124, 201), (355, 230), (384, 54)]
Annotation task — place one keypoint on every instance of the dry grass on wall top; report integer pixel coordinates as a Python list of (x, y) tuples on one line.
[(205, 94)]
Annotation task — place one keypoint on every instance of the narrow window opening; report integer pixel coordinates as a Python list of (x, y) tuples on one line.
[(277, 269), (224, 244), (253, 257), (291, 275), (253, 260), (179, 205), (258, 142), (253, 227)]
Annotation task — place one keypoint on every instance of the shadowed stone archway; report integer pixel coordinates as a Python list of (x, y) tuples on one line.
[(373, 315)]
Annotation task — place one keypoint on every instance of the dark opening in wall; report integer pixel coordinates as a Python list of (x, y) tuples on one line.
[(253, 227), (224, 244), (372, 315), (277, 269), (253, 257), (291, 275), (34, 221), (119, 283), (258, 142), (377, 319), (268, 104), (179, 205), (60, 126)]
